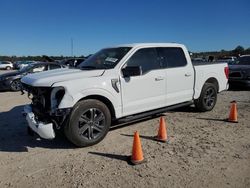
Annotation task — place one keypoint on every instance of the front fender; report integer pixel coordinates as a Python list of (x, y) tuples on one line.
[(70, 100)]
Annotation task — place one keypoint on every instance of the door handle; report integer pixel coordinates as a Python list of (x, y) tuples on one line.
[(188, 74), (159, 78)]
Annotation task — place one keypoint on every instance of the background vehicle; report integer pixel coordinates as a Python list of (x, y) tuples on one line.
[(6, 65), (22, 64), (124, 82), (11, 81), (73, 62), (228, 59), (239, 72), (199, 60)]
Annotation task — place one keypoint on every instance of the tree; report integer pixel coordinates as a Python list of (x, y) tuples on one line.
[(247, 51), (238, 50)]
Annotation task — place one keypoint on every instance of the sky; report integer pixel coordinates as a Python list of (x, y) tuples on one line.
[(46, 27)]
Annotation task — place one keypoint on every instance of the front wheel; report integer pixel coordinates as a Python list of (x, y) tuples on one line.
[(207, 99), (88, 123), (15, 85)]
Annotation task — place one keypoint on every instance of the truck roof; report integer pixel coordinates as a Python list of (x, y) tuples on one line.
[(151, 45)]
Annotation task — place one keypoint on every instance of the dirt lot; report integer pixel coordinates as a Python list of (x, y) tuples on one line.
[(204, 151)]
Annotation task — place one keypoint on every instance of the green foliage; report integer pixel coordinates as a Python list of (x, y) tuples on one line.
[(239, 50)]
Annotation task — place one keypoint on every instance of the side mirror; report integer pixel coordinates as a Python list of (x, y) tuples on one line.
[(131, 71)]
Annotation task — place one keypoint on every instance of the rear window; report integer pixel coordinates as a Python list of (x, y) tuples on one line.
[(172, 57)]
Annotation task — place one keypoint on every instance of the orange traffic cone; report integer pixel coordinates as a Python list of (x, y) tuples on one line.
[(162, 132), (137, 154), (233, 113)]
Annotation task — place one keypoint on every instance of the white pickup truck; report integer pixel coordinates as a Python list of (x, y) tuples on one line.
[(119, 83)]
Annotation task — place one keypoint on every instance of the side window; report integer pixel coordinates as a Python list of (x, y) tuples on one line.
[(146, 58), (53, 66), (172, 57)]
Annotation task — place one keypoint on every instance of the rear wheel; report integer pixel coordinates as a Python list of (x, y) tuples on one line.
[(207, 99), (8, 68), (15, 85), (89, 123)]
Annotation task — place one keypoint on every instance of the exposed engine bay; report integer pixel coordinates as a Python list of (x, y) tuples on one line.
[(45, 102)]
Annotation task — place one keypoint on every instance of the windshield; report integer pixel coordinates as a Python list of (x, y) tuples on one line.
[(105, 59), (245, 60)]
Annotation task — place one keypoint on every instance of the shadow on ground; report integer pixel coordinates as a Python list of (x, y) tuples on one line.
[(111, 156), (141, 136), (187, 109), (14, 136), (213, 119)]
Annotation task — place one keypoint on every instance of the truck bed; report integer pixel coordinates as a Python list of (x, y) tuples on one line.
[(195, 63)]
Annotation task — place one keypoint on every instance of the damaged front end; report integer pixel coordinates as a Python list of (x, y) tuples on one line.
[(43, 114)]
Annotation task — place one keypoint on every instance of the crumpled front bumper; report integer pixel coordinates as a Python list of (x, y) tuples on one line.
[(43, 130)]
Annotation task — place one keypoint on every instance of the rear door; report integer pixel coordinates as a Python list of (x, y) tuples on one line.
[(146, 91), (179, 74)]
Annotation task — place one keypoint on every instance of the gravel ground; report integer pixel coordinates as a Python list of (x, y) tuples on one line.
[(204, 151)]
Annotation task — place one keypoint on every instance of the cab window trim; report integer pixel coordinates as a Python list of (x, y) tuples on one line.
[(165, 66)]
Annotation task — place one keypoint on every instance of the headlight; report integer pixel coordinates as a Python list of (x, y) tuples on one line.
[(56, 96)]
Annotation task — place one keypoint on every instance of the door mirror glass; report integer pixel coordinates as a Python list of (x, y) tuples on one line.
[(131, 71)]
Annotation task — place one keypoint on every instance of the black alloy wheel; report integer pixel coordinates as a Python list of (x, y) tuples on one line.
[(88, 123), (207, 99), (15, 85)]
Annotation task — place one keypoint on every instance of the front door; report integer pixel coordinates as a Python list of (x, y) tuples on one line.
[(146, 91)]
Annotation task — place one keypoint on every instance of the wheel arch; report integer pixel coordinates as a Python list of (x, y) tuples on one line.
[(105, 100), (199, 86), (207, 100), (214, 81)]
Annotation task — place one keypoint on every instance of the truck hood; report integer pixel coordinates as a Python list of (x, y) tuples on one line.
[(48, 78), (10, 74)]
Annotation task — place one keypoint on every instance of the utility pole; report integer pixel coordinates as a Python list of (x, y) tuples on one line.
[(72, 47)]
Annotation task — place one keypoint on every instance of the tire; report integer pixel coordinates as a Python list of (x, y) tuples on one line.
[(15, 85), (8, 68), (207, 99), (88, 123)]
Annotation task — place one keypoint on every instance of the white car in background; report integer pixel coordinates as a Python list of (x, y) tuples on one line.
[(6, 65), (24, 64)]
